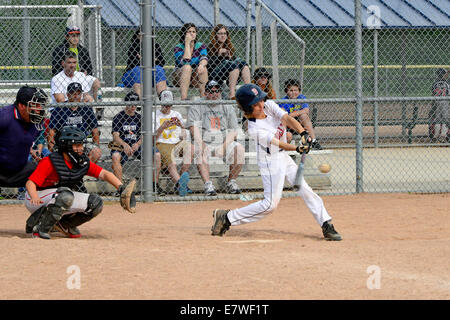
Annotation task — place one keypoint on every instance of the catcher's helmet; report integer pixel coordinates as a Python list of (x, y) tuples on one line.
[(35, 99), (66, 138), (248, 95)]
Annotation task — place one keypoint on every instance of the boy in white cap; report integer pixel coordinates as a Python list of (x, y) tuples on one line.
[(170, 141)]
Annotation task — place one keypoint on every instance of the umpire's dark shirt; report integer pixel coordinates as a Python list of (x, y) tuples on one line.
[(16, 138)]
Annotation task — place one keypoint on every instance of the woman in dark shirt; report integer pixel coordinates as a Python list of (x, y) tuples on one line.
[(223, 65)]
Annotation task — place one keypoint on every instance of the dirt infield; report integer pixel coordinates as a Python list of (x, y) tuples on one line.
[(396, 246)]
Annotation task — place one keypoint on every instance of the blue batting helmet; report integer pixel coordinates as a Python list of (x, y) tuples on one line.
[(248, 95)]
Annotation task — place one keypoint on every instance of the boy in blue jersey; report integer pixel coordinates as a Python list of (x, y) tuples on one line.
[(82, 117), (300, 112)]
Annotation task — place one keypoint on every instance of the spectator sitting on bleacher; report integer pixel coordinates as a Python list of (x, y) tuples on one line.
[(68, 75), (262, 78), (132, 75), (126, 131), (191, 59), (214, 129), (439, 115), (222, 64), (170, 136), (300, 112), (82, 117), (71, 43)]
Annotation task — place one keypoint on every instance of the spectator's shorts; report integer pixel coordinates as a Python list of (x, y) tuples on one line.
[(169, 152), (222, 71), (133, 76), (228, 157), (124, 158), (137, 155)]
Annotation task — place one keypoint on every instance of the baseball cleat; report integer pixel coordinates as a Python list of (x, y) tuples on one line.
[(330, 233), (71, 232), (36, 233), (221, 223)]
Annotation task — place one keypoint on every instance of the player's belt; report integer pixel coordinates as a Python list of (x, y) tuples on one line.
[(267, 149)]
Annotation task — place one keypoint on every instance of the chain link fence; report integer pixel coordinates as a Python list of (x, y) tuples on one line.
[(405, 123)]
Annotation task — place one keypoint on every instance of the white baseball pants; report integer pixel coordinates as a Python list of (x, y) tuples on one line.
[(80, 201), (274, 171)]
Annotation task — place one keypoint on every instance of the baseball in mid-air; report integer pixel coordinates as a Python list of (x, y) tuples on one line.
[(324, 168)]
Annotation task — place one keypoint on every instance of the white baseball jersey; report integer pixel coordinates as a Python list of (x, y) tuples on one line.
[(275, 166), (264, 130), (60, 82)]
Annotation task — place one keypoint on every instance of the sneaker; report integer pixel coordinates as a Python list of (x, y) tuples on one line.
[(329, 233), (232, 187), (71, 232), (159, 191), (182, 184), (221, 223), (209, 189), (316, 145)]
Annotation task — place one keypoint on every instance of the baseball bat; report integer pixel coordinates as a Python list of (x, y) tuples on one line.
[(299, 174)]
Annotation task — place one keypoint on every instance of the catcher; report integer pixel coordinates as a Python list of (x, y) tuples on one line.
[(50, 199)]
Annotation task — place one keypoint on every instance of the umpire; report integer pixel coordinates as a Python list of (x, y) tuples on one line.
[(20, 125)]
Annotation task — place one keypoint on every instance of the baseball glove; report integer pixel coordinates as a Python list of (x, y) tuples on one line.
[(127, 196), (115, 146), (305, 142)]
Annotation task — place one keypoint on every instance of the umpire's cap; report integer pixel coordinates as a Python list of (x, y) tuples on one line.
[(248, 95), (26, 94), (74, 87)]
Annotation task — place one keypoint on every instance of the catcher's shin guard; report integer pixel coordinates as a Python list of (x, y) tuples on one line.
[(69, 223), (53, 213), (34, 219)]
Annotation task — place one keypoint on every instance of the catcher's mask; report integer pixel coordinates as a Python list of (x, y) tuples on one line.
[(248, 95), (35, 99), (66, 138)]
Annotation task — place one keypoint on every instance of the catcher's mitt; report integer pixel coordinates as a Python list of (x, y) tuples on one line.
[(127, 196), (115, 146)]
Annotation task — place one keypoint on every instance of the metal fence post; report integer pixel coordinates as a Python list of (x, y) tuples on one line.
[(249, 31), (216, 12), (274, 45), (26, 42), (147, 110), (375, 86), (358, 96)]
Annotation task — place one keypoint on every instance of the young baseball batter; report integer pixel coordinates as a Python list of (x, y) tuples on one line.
[(267, 124)]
